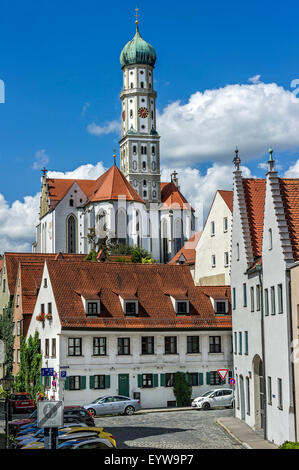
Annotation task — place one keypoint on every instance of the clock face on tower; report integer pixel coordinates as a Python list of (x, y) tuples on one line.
[(143, 112)]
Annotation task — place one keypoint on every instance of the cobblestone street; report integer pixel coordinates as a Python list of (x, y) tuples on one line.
[(170, 430)]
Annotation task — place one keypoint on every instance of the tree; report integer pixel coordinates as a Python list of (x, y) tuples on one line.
[(139, 254), (28, 378), (7, 336), (182, 389)]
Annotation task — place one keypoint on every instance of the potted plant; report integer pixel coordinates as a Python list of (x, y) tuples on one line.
[(41, 317)]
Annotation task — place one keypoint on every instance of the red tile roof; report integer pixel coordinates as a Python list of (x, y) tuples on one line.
[(12, 261), (31, 278), (227, 196), (188, 250), (254, 190), (70, 280), (290, 196), (172, 198)]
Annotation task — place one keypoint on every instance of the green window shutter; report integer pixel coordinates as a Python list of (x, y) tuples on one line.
[(200, 378), (139, 380), (67, 384), (208, 378), (82, 382), (107, 381), (188, 378), (162, 380), (155, 380), (91, 382)]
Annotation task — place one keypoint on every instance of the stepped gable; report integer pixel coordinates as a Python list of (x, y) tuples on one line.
[(112, 281)]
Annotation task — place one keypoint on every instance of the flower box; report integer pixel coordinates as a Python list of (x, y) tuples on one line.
[(49, 316), (40, 317)]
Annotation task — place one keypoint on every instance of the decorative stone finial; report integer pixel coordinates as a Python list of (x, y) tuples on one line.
[(237, 159), (271, 161)]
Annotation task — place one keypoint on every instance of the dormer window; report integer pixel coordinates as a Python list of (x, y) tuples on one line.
[(220, 307), (182, 307), (92, 308), (131, 307)]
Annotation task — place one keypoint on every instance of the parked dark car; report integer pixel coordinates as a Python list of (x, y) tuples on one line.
[(78, 414), (21, 401)]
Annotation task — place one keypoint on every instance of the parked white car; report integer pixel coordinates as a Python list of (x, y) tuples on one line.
[(214, 398)]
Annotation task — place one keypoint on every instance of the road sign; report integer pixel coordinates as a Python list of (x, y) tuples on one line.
[(63, 374), (47, 372), (49, 414), (223, 373), (232, 381)]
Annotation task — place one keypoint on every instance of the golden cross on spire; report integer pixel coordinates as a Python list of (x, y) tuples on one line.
[(137, 15)]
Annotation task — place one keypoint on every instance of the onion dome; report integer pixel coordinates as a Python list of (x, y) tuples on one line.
[(138, 51)]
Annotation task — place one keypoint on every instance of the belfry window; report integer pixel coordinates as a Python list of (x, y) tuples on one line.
[(131, 113), (71, 202), (141, 84)]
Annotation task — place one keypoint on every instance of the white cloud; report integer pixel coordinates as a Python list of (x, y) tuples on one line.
[(210, 125), (83, 172), (41, 159), (293, 171), (17, 223), (109, 128), (255, 79)]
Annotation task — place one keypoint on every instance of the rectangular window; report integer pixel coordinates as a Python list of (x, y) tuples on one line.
[(252, 299), (50, 308), (280, 298), (18, 301), (169, 380), (99, 381), (212, 229), (215, 344), (236, 342), (192, 344), (99, 346), (123, 346), (225, 224), (42, 308), (279, 393), (147, 380), (266, 302), (47, 352), (234, 298), (131, 308), (45, 282), (225, 258), (213, 261), (170, 345), (244, 295), (269, 390), (215, 378), (19, 328), (92, 308), (246, 343), (220, 307), (53, 347), (248, 395), (75, 382), (193, 379), (74, 346), (273, 308), (240, 342), (258, 297), (147, 345)]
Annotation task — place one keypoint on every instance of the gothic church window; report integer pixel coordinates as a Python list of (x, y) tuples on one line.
[(71, 234)]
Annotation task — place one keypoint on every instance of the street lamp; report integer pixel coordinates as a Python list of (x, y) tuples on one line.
[(7, 383)]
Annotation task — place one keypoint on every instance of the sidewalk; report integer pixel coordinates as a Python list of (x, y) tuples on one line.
[(244, 434)]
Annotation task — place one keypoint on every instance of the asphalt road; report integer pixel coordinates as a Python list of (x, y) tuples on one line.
[(170, 430)]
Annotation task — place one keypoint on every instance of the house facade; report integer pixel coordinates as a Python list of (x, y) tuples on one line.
[(109, 334), (212, 265), (263, 249)]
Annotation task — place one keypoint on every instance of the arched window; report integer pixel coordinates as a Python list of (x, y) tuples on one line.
[(71, 234), (102, 224), (121, 226), (164, 233), (138, 228), (178, 234), (71, 202)]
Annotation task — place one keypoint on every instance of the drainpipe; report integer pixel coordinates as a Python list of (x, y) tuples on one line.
[(260, 273)]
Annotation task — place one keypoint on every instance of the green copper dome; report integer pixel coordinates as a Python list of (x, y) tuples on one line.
[(138, 51)]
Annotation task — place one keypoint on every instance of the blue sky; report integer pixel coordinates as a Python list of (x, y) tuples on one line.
[(60, 65)]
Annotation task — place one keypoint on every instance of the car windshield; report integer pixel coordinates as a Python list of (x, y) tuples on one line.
[(23, 397), (207, 393), (98, 400)]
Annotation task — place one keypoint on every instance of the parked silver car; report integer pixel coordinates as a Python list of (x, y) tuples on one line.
[(214, 398), (113, 404)]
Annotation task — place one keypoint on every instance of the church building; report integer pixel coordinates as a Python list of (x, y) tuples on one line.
[(129, 203)]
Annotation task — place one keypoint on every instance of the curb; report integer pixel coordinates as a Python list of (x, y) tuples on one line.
[(162, 410), (244, 444)]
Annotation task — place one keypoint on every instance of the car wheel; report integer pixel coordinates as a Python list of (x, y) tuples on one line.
[(129, 410), (206, 406), (92, 411)]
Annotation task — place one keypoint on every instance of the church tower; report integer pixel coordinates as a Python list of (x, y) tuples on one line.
[(139, 145)]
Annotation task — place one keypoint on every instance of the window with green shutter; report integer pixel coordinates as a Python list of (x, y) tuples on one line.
[(107, 381), (244, 295), (91, 382), (208, 378), (155, 380), (200, 378), (162, 380)]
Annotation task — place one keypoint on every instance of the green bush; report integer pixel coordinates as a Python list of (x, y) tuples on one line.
[(289, 445), (182, 389)]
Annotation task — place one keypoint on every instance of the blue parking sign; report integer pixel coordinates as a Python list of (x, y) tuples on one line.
[(63, 374)]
